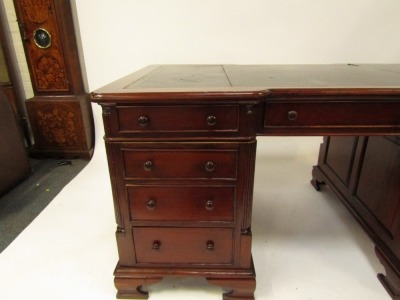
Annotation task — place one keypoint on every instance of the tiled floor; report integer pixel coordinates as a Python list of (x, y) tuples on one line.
[(305, 243)]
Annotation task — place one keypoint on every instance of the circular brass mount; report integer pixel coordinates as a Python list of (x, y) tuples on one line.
[(42, 38)]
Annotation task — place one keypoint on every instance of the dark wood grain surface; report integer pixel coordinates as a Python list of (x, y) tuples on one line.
[(181, 142)]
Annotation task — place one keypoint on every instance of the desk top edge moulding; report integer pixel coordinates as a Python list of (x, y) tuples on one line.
[(339, 91), (181, 148), (60, 113)]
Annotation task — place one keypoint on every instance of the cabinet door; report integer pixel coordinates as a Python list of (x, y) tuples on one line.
[(378, 187), (340, 156)]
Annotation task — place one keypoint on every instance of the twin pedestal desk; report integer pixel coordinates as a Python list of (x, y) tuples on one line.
[(181, 148)]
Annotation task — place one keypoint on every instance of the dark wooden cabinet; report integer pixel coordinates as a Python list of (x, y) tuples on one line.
[(365, 173)]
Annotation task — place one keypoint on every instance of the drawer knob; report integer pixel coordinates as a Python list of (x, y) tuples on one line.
[(148, 165), (151, 204), (156, 245), (209, 166), (144, 121), (210, 245), (211, 120), (210, 205), (292, 115)]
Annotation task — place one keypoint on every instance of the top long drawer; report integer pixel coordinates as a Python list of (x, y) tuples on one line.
[(148, 120)]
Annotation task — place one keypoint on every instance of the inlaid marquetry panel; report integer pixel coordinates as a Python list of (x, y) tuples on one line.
[(60, 113), (56, 125), (43, 45)]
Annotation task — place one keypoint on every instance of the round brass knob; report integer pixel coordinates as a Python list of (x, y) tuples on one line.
[(148, 165), (151, 204), (156, 245), (211, 120), (292, 115), (143, 121), (209, 166), (210, 205), (210, 245)]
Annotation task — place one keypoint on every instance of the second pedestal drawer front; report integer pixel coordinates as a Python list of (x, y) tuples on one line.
[(182, 203), (183, 245), (180, 164)]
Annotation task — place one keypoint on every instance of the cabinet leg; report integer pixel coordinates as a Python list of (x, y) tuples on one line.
[(241, 288), (317, 184), (390, 281), (315, 181), (131, 288)]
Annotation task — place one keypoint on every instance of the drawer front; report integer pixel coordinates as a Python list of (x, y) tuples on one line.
[(181, 203), (189, 118), (183, 245), (180, 164), (330, 117)]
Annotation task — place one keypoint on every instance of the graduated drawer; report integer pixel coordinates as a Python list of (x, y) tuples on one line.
[(324, 116), (180, 163), (183, 245), (170, 118), (181, 203)]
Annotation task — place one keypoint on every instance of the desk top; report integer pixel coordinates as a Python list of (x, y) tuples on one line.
[(283, 99), (253, 80)]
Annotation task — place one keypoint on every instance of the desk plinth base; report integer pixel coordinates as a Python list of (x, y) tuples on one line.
[(130, 281)]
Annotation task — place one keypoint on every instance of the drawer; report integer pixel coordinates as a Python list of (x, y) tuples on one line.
[(180, 164), (183, 245), (188, 118), (181, 203), (324, 117)]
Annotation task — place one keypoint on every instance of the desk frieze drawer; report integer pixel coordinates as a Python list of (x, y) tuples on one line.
[(326, 117), (183, 245), (180, 164), (181, 203), (170, 118)]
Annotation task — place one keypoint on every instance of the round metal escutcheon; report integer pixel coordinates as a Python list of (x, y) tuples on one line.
[(42, 38)]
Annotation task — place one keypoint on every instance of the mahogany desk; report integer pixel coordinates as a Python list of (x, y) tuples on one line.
[(181, 146)]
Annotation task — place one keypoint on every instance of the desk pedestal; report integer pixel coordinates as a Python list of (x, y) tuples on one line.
[(365, 172)]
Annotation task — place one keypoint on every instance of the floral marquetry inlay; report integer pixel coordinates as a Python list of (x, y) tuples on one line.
[(58, 127), (50, 75), (37, 11)]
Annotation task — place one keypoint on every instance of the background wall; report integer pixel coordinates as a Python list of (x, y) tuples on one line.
[(121, 36)]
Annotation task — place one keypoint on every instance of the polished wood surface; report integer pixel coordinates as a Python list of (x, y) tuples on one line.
[(365, 174), (184, 136), (323, 100)]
